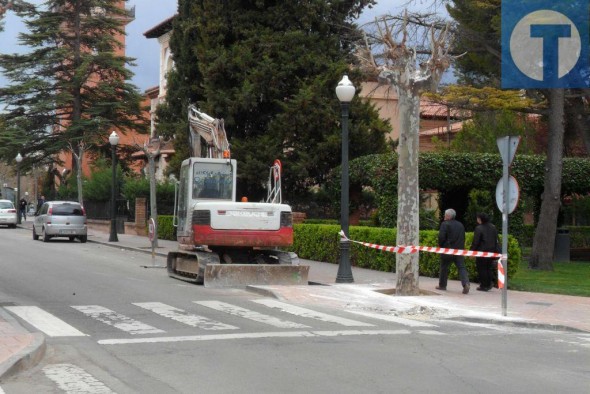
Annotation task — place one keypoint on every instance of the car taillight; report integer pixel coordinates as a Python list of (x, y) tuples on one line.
[(12, 211), (50, 211), (286, 219), (202, 217)]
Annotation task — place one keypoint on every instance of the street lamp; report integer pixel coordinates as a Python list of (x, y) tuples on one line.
[(18, 159), (345, 92), (114, 140)]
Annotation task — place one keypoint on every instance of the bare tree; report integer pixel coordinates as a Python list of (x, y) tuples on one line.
[(412, 55), (151, 150)]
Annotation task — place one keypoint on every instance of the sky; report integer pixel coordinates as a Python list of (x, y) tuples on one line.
[(149, 13)]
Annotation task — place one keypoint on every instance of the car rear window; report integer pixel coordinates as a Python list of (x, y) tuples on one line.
[(6, 205), (67, 210)]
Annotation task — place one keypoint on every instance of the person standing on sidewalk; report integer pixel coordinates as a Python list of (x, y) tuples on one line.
[(485, 239), (452, 235), (22, 207)]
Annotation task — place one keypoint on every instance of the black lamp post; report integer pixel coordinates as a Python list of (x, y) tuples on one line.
[(114, 140), (345, 92), (18, 159)]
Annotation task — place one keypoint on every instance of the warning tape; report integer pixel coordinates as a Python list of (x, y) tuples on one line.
[(413, 249), (500, 275)]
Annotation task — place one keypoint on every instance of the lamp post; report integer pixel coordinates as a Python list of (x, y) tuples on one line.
[(114, 140), (345, 92), (18, 159)]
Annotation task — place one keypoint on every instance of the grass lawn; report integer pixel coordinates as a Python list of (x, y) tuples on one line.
[(566, 278)]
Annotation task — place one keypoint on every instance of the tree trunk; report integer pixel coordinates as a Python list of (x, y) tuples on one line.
[(544, 240), (79, 158), (408, 230)]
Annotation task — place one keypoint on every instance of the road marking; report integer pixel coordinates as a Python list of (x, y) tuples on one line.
[(72, 379), (431, 332), (303, 312), (393, 319), (255, 335), (116, 320), (182, 316), (248, 314), (45, 322)]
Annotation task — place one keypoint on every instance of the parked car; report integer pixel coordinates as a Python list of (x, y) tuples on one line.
[(7, 213), (60, 219)]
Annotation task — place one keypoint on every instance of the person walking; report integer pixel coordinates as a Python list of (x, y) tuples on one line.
[(40, 201), (22, 207), (452, 235), (485, 239)]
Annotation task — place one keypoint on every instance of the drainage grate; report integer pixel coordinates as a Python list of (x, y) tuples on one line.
[(539, 303)]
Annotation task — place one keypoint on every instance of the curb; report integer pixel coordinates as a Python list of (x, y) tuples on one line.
[(24, 358), (520, 323), (130, 248)]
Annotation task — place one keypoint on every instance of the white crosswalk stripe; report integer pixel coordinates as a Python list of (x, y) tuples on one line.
[(45, 321), (116, 320), (248, 314), (182, 316), (308, 313), (73, 379)]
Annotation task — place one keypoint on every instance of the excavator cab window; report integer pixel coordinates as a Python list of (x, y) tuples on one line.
[(212, 181)]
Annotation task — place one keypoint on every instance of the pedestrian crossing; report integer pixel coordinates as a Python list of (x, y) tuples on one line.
[(218, 320)]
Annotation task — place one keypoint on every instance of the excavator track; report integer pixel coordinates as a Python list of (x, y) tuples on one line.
[(190, 266)]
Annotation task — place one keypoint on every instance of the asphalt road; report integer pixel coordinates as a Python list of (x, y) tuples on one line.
[(113, 326)]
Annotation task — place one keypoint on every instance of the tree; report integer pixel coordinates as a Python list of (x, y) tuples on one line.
[(269, 69), (399, 67), (478, 33), (73, 75)]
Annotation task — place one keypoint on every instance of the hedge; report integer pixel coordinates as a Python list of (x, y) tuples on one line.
[(321, 243), (165, 228)]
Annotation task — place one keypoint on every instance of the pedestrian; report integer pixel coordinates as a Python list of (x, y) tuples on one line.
[(452, 235), (22, 204), (40, 201), (485, 239)]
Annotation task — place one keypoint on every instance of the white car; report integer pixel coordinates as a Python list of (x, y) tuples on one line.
[(7, 213)]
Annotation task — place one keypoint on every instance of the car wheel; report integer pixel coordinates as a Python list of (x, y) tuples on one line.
[(45, 236), (83, 238), (72, 239), (35, 236)]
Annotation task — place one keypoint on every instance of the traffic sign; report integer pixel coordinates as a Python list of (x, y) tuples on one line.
[(507, 146), (152, 229), (513, 194)]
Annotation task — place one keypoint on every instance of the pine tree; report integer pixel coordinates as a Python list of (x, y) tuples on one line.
[(72, 86)]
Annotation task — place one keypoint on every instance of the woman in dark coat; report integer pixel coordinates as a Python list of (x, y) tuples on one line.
[(485, 239)]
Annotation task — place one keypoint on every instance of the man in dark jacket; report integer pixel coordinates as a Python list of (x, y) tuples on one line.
[(485, 239), (452, 235)]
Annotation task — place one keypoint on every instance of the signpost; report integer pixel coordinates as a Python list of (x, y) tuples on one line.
[(152, 237), (508, 195)]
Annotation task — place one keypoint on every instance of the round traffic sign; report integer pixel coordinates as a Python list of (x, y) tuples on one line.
[(513, 194), (152, 229)]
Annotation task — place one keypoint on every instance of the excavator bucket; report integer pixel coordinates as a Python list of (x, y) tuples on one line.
[(236, 275)]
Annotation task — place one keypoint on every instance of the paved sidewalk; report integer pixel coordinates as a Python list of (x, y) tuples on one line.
[(371, 291)]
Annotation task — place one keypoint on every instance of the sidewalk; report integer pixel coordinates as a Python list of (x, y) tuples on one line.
[(371, 291)]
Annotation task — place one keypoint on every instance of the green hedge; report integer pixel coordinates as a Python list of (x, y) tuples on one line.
[(321, 243), (165, 228)]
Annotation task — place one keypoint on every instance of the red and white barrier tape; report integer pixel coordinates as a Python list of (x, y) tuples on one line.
[(500, 275), (414, 249)]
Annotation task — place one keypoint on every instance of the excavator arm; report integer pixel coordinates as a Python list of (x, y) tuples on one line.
[(211, 130)]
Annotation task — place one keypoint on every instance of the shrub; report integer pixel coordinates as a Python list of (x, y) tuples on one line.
[(165, 228), (321, 243)]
